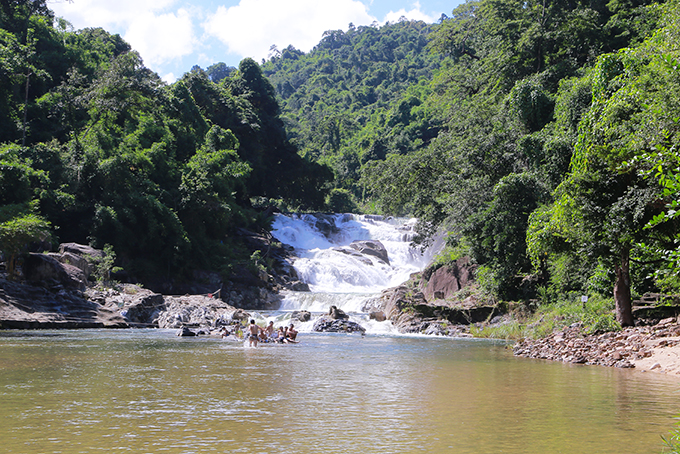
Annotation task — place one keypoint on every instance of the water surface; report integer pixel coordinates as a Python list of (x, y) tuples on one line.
[(147, 391)]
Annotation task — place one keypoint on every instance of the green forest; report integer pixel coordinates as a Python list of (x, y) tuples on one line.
[(96, 149), (541, 137)]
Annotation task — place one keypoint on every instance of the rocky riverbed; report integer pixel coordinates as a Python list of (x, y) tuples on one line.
[(652, 348)]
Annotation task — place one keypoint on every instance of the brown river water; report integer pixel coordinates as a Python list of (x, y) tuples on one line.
[(148, 391)]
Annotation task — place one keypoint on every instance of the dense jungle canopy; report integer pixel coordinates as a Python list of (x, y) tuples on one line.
[(541, 136)]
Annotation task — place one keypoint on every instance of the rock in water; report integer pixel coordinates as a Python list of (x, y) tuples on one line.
[(326, 324), (371, 247)]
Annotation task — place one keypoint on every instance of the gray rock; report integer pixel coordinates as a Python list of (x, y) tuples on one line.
[(42, 269), (337, 314), (371, 247), (329, 325), (303, 316), (378, 316)]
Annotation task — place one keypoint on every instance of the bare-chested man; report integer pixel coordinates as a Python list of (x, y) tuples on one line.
[(253, 331)]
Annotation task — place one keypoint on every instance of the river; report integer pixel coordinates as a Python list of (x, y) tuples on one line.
[(149, 391)]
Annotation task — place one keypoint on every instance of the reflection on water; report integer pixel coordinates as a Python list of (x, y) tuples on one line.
[(149, 391)]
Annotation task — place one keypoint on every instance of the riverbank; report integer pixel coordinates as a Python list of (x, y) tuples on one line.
[(654, 348)]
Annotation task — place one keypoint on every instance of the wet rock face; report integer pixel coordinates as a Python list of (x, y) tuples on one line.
[(337, 314), (361, 249), (371, 247), (303, 316), (145, 309)]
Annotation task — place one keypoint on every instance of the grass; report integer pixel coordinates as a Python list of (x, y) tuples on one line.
[(672, 442), (595, 316)]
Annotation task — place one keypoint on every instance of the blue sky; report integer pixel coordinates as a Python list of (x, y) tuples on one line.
[(174, 35)]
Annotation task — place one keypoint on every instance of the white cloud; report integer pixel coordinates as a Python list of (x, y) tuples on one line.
[(413, 14), (169, 78), (105, 14), (160, 38), (250, 28), (158, 35)]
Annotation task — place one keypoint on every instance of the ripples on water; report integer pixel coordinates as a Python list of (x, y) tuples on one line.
[(149, 391)]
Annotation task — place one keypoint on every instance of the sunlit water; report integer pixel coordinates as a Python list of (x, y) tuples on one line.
[(148, 391)]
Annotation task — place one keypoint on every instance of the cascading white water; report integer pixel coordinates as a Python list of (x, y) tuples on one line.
[(336, 273)]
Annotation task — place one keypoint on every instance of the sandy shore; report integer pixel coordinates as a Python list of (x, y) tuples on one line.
[(654, 348), (665, 357)]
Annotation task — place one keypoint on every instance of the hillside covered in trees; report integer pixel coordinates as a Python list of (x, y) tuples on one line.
[(542, 136), (95, 148)]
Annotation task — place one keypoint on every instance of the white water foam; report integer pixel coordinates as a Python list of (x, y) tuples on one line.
[(336, 274)]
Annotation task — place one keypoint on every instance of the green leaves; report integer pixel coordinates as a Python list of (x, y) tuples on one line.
[(17, 232)]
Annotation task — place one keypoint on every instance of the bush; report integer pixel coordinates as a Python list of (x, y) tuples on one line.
[(340, 201)]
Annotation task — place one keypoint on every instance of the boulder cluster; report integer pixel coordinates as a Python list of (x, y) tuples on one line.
[(613, 349)]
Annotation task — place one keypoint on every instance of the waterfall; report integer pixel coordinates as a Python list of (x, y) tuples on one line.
[(347, 259)]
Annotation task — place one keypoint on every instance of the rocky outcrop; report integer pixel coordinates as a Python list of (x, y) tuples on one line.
[(144, 309), (302, 316), (431, 302), (24, 306), (362, 250), (337, 314), (41, 269), (371, 247), (197, 311), (442, 282)]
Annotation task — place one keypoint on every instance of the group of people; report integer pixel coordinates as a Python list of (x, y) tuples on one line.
[(282, 334)]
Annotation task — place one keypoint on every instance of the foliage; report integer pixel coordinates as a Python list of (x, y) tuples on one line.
[(672, 442), (595, 316), (111, 155), (104, 265), (16, 233)]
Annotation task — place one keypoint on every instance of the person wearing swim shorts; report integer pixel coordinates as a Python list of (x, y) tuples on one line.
[(253, 331)]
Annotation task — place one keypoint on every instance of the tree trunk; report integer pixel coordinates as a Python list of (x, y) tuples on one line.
[(624, 309), (28, 84)]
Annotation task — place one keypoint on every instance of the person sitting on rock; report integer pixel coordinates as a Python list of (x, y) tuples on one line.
[(270, 330), (280, 335), (262, 335), (292, 332)]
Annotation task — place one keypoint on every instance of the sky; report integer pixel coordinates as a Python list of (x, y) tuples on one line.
[(174, 35)]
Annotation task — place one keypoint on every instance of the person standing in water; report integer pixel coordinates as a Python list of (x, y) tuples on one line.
[(253, 331)]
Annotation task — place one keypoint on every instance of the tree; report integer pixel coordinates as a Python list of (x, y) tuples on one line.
[(605, 205), (17, 233)]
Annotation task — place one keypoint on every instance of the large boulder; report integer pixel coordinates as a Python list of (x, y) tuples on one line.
[(41, 269), (303, 316), (81, 249), (328, 325), (442, 282), (371, 247), (145, 309), (337, 314), (197, 311)]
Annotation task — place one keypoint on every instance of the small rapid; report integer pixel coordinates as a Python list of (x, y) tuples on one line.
[(347, 259)]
